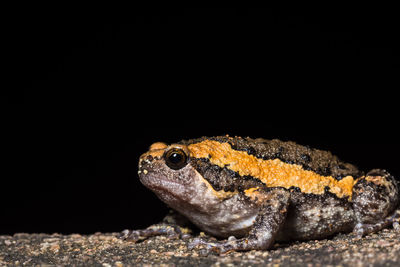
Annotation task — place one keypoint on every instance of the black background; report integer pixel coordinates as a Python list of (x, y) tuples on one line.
[(85, 93)]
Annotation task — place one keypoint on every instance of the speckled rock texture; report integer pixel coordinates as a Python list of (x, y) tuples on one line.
[(381, 249)]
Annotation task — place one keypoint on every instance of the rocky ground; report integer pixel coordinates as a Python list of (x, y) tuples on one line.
[(382, 249)]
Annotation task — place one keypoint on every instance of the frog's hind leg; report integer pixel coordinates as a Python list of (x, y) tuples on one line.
[(375, 198)]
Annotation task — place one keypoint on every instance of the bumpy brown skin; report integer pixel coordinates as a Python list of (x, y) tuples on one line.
[(319, 161), (226, 203)]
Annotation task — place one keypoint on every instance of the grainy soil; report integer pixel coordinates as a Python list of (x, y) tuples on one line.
[(106, 249)]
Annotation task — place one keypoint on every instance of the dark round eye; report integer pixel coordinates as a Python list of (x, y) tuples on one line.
[(175, 158)]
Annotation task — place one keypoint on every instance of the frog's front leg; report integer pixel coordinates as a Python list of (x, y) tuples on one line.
[(172, 226), (267, 224), (171, 231)]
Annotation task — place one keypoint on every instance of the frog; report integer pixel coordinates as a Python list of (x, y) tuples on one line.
[(249, 193)]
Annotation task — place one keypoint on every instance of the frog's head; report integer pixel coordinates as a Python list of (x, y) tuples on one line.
[(168, 171)]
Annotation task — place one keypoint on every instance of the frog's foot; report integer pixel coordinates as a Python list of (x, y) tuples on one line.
[(362, 229), (219, 247), (131, 235), (171, 231), (231, 244)]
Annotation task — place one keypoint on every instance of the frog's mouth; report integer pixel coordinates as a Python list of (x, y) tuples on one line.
[(159, 183), (174, 194), (187, 188), (165, 185)]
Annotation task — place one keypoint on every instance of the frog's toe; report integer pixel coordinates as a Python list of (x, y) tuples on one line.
[(197, 242), (363, 229), (396, 226), (396, 220), (130, 235), (205, 247), (359, 230), (218, 247)]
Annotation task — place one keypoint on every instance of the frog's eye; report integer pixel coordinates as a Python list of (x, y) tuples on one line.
[(175, 158)]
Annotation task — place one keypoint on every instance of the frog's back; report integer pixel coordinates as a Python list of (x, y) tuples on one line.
[(321, 162)]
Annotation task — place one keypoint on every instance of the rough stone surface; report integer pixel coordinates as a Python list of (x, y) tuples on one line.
[(381, 249)]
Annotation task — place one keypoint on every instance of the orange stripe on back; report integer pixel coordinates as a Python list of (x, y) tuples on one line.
[(273, 173)]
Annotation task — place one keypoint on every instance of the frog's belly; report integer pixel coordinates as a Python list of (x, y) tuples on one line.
[(237, 227), (229, 218)]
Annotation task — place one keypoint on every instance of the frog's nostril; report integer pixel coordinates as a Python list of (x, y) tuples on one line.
[(146, 158)]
